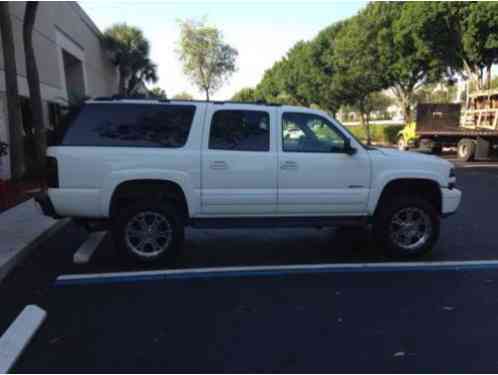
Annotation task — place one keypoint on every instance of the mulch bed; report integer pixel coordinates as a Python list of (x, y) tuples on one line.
[(14, 193)]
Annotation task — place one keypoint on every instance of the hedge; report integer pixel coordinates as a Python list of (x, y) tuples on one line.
[(379, 133)]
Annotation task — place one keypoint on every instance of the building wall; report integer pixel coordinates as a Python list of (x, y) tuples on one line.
[(60, 26)]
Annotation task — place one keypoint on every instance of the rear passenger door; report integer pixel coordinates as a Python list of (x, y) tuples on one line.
[(239, 162)]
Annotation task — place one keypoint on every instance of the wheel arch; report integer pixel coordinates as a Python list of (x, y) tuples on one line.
[(128, 191), (424, 187)]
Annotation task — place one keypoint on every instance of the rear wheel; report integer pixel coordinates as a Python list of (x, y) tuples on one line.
[(149, 231), (466, 149), (407, 227)]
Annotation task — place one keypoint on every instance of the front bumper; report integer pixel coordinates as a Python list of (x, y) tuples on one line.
[(451, 200), (43, 200)]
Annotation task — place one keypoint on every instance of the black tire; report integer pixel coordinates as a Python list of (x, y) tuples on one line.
[(401, 144), (466, 149), (383, 226), (437, 149), (155, 209)]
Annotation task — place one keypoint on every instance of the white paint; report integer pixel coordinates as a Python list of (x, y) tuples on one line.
[(18, 335), (87, 249), (358, 267)]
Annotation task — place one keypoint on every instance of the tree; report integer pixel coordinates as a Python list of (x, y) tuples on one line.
[(247, 94), (14, 115), (433, 40), (404, 50), (325, 93), (359, 72), (144, 70), (376, 102), (436, 93), (183, 96), (207, 60), (39, 138), (158, 93), (130, 53)]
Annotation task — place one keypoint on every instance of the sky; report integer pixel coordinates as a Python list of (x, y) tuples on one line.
[(262, 32)]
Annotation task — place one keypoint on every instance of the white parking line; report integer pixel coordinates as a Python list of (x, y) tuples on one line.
[(117, 277), (18, 335), (86, 250)]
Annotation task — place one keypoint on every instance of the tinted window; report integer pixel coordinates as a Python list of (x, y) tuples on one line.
[(142, 125), (304, 132), (240, 131)]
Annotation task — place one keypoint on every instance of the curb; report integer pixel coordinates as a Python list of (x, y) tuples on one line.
[(17, 337), (26, 250)]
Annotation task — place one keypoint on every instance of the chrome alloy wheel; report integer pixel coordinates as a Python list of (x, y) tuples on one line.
[(148, 234), (410, 228)]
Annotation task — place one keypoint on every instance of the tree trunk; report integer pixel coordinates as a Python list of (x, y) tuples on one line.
[(207, 95), (33, 78), (13, 110), (365, 123), (407, 111), (122, 82)]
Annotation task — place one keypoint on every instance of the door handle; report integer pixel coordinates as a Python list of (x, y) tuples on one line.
[(218, 164), (289, 164)]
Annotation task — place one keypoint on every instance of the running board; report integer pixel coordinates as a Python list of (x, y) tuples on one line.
[(278, 222)]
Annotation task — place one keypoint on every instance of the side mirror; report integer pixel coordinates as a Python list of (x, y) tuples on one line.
[(350, 150)]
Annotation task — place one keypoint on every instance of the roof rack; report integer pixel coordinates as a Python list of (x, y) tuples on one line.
[(119, 97)]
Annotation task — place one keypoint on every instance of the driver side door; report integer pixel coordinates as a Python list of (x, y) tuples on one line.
[(316, 176)]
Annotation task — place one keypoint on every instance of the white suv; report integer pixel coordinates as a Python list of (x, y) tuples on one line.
[(149, 168)]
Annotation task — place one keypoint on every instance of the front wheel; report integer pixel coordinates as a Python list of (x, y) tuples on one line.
[(402, 145), (407, 227)]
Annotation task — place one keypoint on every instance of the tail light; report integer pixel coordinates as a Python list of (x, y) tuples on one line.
[(52, 172)]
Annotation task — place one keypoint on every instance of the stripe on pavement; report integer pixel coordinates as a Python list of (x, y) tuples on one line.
[(18, 335), (86, 250), (191, 273)]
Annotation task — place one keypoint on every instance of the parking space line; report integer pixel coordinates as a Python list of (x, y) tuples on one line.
[(246, 271), (18, 335), (86, 250)]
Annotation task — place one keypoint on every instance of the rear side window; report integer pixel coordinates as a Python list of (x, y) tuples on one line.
[(134, 125), (240, 131)]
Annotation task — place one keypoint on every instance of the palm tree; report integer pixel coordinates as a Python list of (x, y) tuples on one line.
[(143, 70), (14, 114), (37, 124), (130, 53)]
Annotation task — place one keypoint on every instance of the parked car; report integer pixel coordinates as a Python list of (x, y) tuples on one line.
[(147, 169)]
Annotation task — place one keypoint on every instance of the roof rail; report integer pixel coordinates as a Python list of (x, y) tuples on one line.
[(120, 97)]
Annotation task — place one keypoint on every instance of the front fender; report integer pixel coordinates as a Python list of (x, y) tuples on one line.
[(383, 179)]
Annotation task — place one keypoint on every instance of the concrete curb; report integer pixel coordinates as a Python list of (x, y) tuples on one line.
[(17, 337), (25, 251)]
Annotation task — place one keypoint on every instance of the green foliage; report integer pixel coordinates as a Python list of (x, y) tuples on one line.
[(130, 53), (158, 92), (436, 93), (385, 134), (183, 96), (247, 94), (207, 60)]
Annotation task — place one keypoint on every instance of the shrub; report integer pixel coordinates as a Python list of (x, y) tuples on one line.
[(379, 133)]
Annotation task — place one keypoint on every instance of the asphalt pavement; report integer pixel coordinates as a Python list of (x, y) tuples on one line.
[(339, 322)]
